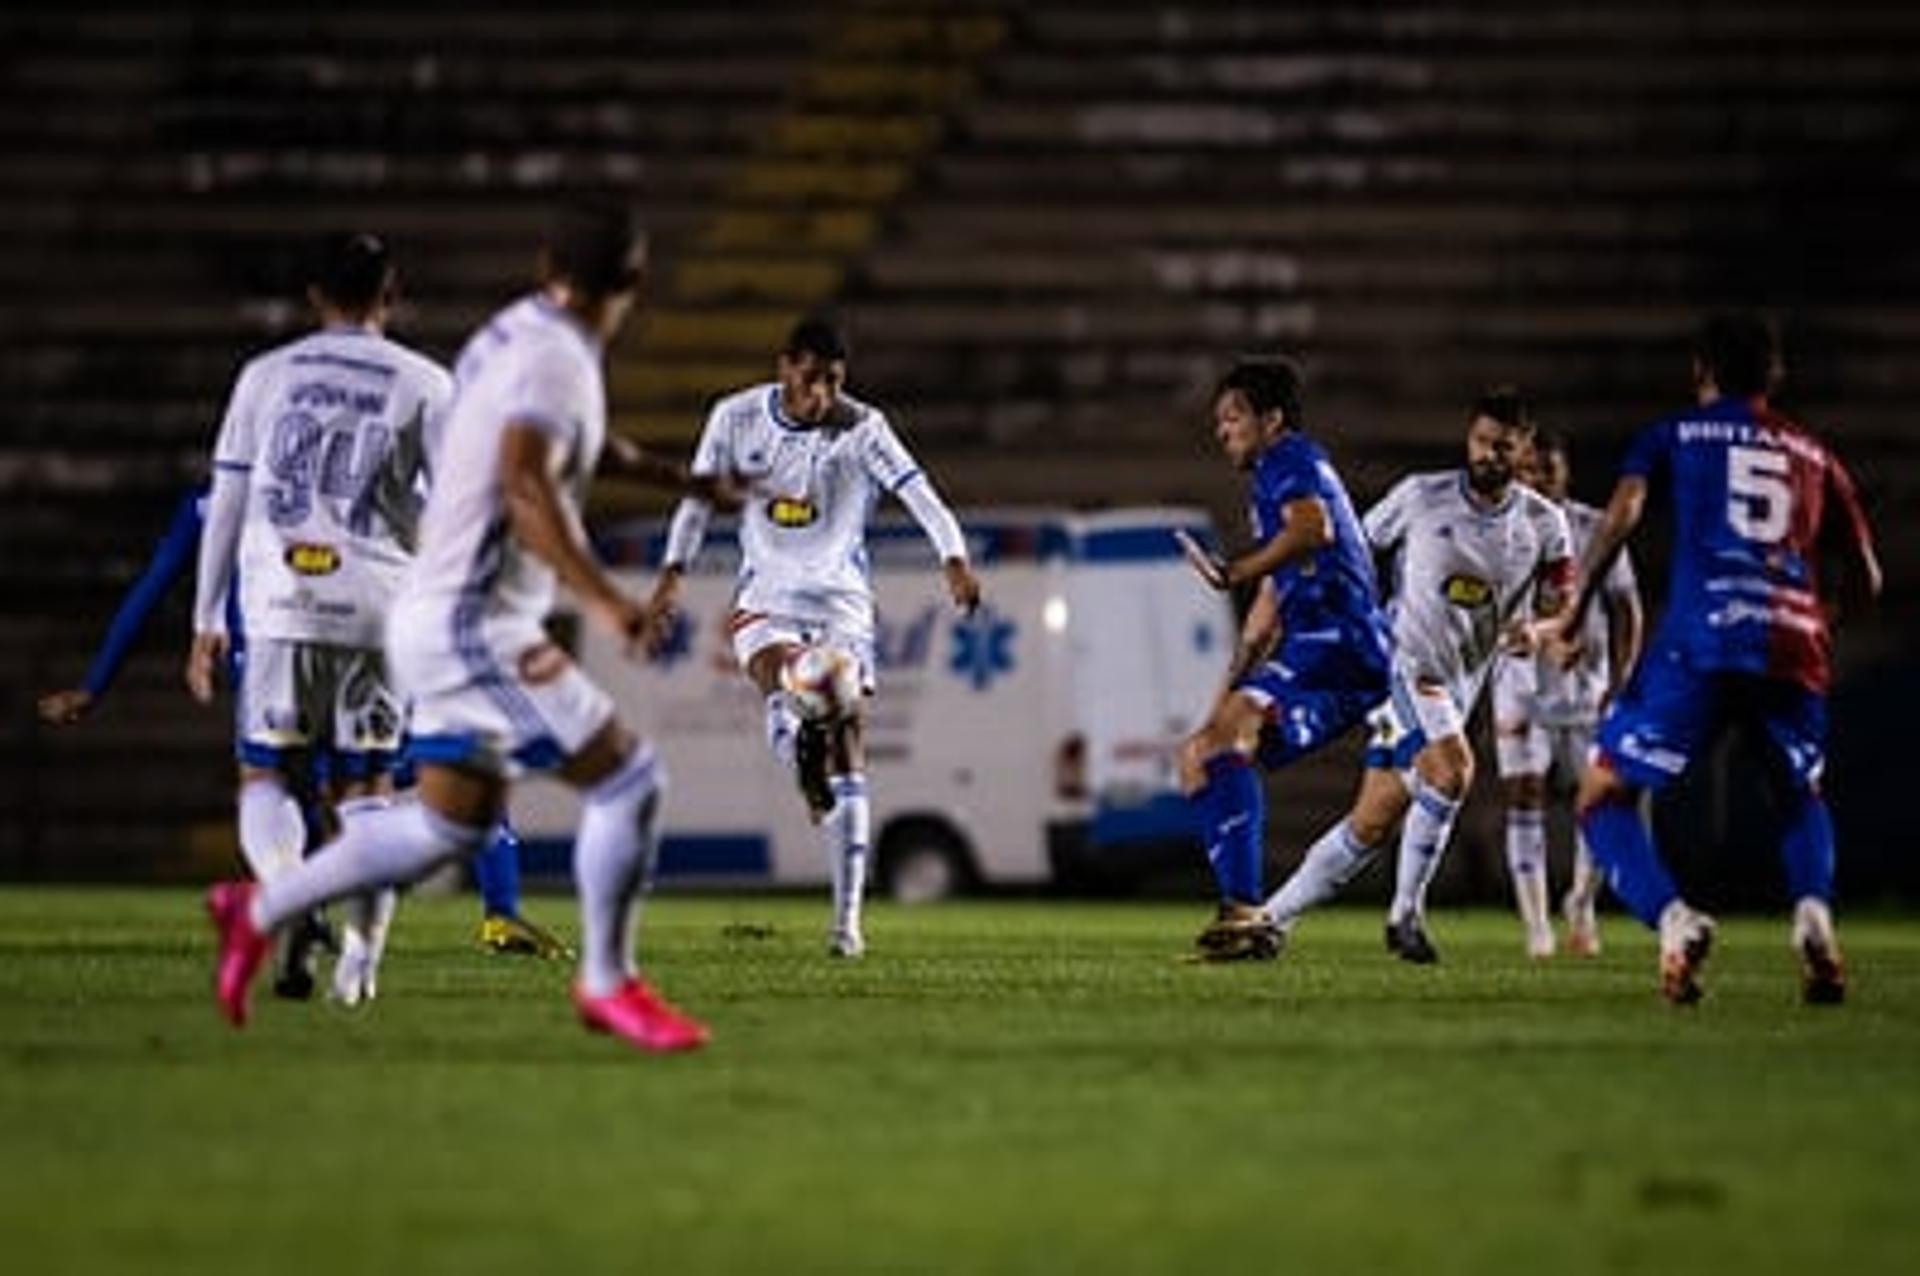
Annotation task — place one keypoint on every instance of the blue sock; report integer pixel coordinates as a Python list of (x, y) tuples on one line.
[(1232, 815), (1806, 850), (1623, 850), (496, 871)]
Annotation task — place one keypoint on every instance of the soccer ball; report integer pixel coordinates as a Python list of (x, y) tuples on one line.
[(824, 682)]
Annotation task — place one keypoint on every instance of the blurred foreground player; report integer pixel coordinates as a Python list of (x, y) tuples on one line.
[(1544, 717), (491, 692), (1473, 547), (1745, 639), (816, 459), (1312, 658)]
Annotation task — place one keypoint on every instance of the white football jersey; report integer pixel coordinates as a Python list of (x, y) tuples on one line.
[(532, 363), (1572, 697), (803, 531), (1461, 573), (328, 430)]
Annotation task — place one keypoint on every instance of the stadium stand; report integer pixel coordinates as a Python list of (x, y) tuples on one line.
[(1048, 224)]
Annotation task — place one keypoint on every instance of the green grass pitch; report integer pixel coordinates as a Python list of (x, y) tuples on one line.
[(1014, 1086)]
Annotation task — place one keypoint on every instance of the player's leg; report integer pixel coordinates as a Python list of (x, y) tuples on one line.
[(1216, 771), (1571, 746), (392, 844), (848, 830), (273, 734), (367, 720), (1795, 722), (622, 786), (1442, 774), (763, 645), (1522, 754), (1646, 742), (1346, 848), (503, 927)]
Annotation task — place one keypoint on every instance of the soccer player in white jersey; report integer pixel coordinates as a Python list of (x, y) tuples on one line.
[(1544, 718), (314, 501), (491, 692), (1472, 546), (815, 459)]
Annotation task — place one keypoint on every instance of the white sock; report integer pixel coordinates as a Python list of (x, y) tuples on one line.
[(613, 864), (273, 833), (1429, 824), (849, 830), (1586, 875), (1330, 864), (389, 846), (783, 725), (1527, 862)]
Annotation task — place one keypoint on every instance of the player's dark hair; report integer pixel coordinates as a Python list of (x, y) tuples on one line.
[(1267, 383), (590, 244), (1505, 404), (818, 336), (1739, 351), (1553, 439), (353, 271)]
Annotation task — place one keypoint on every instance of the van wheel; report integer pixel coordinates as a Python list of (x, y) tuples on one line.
[(924, 861)]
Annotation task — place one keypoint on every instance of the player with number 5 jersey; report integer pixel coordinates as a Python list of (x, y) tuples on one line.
[(1756, 500)]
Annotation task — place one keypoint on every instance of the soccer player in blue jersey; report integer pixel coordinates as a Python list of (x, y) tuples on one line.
[(1756, 499), (1313, 653)]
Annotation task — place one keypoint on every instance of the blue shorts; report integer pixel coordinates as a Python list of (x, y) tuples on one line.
[(1669, 709), (1310, 701)]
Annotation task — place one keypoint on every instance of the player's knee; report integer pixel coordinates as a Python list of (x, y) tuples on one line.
[(1525, 792), (1448, 772)]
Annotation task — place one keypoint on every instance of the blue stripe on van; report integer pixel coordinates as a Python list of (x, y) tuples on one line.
[(681, 855), (643, 544)]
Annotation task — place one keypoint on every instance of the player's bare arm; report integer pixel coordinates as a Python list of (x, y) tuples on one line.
[(537, 513), (1626, 630), (1307, 528), (962, 585), (622, 458), (1258, 633)]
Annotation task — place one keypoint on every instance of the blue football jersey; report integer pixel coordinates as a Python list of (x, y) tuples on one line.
[(1751, 492), (1332, 587)]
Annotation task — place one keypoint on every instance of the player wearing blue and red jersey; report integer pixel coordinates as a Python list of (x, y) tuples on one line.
[(1756, 498), (1313, 655)]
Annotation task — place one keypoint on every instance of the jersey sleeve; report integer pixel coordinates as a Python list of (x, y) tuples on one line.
[(713, 455), (1386, 523), (886, 458), (1294, 476), (1555, 569), (1647, 454), (171, 558), (546, 395), (238, 443)]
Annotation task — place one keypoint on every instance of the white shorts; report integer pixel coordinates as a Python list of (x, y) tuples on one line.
[(754, 632), (499, 702), (1411, 716), (308, 696), (1523, 744)]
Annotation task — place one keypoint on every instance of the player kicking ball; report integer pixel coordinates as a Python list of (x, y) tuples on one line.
[(491, 693), (815, 459), (1472, 546), (1745, 639), (1312, 658)]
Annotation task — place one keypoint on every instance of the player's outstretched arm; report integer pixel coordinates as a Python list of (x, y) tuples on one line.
[(1306, 528), (625, 459), (1846, 520), (539, 518), (1626, 625)]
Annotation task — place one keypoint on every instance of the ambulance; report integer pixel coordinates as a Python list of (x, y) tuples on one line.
[(1028, 744)]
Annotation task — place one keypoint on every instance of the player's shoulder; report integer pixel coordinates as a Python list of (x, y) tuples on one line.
[(1543, 512), (749, 405), (1433, 489), (858, 414), (1291, 455), (419, 368)]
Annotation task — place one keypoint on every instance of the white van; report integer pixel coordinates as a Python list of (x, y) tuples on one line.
[(1032, 742)]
